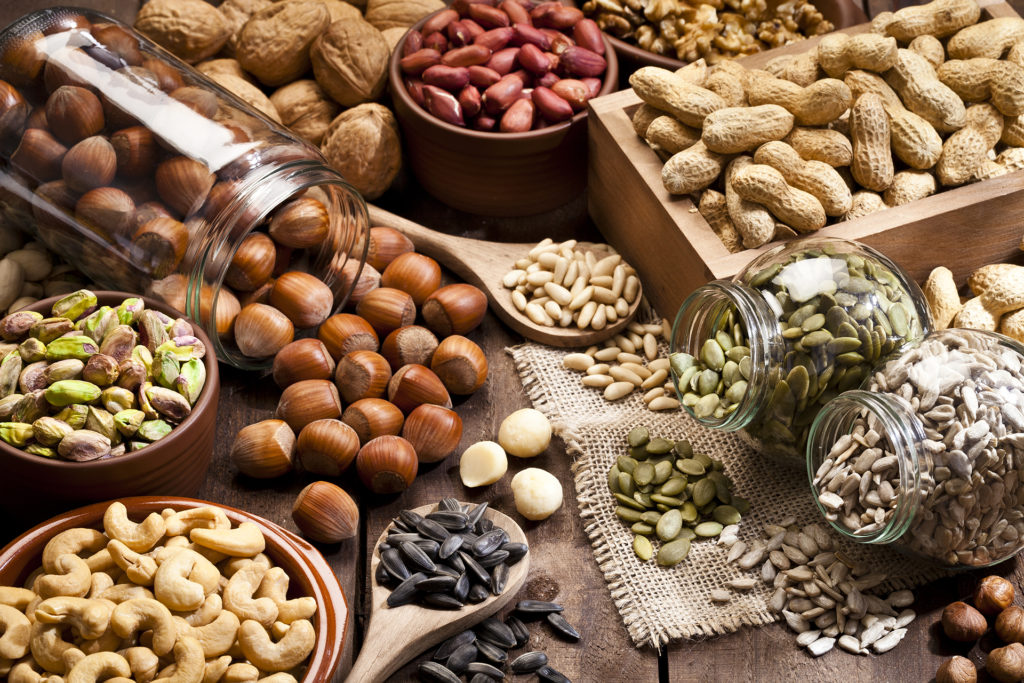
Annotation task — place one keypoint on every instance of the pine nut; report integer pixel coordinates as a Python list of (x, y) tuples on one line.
[(608, 353), (652, 328), (610, 314), (584, 271), (538, 315), (597, 381), (541, 246), (591, 350), (636, 328), (621, 308), (630, 289), (558, 293), (561, 266), (623, 375), (600, 318), (587, 314), (601, 281), (566, 318), (659, 364), (617, 390), (569, 244), (538, 278), (624, 344), (590, 260), (576, 287), (553, 309), (629, 357), (571, 274), (581, 298), (656, 378), (603, 295), (565, 253), (653, 394), (666, 329), (577, 361), (541, 300), (511, 278), (638, 370), (650, 347), (606, 265), (523, 263), (618, 279), (664, 403), (598, 369), (519, 300)]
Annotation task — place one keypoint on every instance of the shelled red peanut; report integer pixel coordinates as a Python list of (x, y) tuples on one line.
[(509, 67)]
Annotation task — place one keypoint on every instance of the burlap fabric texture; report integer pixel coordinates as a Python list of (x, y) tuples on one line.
[(658, 604)]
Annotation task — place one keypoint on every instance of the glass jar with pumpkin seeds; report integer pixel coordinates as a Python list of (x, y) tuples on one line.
[(926, 455), (803, 322)]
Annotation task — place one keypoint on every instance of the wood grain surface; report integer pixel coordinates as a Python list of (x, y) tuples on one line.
[(562, 563)]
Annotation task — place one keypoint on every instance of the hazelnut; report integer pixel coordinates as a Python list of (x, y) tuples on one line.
[(197, 99), (146, 212), (454, 309), (308, 400), (159, 245), (956, 670), (963, 623), (14, 112), (324, 513), (993, 594), (1006, 664), (262, 330), (21, 60), (183, 183), (303, 298), (108, 210), (460, 364), (119, 42), (59, 69), (373, 417), (346, 332), (434, 431), (66, 22), (409, 344), (73, 114), (264, 450), (222, 199), (260, 295), (89, 163), (362, 374), (387, 309), (39, 155), (386, 244), (415, 274), (1010, 624), (224, 307), (327, 447), (252, 263), (135, 151), (167, 77), (366, 280), (414, 384), (387, 464), (300, 223), (302, 359)]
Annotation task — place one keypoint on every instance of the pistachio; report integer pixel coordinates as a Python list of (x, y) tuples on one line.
[(74, 415), (169, 403), (74, 305), (48, 329), (119, 342), (64, 369), (101, 421), (165, 367), (7, 405), (67, 391), (41, 450), (75, 346), (32, 406), (143, 355), (98, 323), (153, 430), (16, 433), (16, 325), (142, 394), (116, 399), (82, 445), (129, 310), (131, 373), (191, 380), (32, 350), (180, 327), (10, 371), (101, 370), (128, 421), (152, 330), (49, 431), (184, 347)]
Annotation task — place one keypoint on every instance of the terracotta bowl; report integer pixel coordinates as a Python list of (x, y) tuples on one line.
[(495, 174), (175, 465), (309, 572), (842, 13)]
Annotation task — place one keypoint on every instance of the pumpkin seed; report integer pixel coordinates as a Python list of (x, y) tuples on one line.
[(669, 526), (643, 474), (638, 436), (642, 547), (708, 529), (674, 552)]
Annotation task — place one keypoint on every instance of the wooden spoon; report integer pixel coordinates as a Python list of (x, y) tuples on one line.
[(484, 264), (397, 634)]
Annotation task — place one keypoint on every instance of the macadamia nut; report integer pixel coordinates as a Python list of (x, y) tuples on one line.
[(525, 433), (537, 493), (482, 463)]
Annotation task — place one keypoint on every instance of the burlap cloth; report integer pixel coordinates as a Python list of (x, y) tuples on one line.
[(658, 604)]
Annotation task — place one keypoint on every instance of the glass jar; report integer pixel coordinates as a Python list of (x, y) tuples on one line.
[(926, 455), (800, 324), (150, 178)]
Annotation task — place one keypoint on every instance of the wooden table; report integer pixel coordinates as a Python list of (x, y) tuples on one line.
[(563, 566)]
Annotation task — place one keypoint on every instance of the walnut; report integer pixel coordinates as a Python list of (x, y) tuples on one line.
[(305, 108), (274, 44), (363, 145), (191, 29), (247, 92), (350, 62), (225, 65), (237, 12), (393, 35), (391, 13)]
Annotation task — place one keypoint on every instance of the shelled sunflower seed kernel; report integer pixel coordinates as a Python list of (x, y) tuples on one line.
[(967, 390), (673, 494), (446, 558), (482, 652), (560, 284), (628, 362), (821, 593)]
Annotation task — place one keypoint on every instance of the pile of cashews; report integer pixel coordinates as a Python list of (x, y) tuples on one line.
[(181, 597)]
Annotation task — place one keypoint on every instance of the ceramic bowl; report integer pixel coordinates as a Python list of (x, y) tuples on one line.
[(494, 174), (842, 13), (175, 465), (309, 573)]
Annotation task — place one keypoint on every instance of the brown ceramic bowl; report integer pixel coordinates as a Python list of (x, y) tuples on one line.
[(309, 572), (842, 13), (495, 174), (175, 465)]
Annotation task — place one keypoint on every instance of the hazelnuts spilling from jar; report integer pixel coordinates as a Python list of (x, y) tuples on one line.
[(961, 622)]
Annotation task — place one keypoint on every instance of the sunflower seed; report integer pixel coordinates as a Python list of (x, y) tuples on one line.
[(391, 560), (552, 675), (436, 584), (487, 543), (442, 601), (406, 591), (821, 646), (476, 572), (807, 637), (537, 608), (485, 669), (529, 662), (478, 593), (491, 652), (449, 646), (563, 627), (499, 578), (452, 520), (432, 530), (496, 632), (432, 671), (519, 630), (449, 546), (417, 556), (448, 504), (516, 552), (493, 559), (460, 591)]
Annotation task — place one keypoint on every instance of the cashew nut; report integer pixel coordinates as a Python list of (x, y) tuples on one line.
[(30, 580), (184, 580), (245, 540), (206, 613), (215, 669), (70, 576), (181, 522), (48, 647), (125, 591), (100, 561), (99, 666), (275, 586), (17, 632), (217, 637), (143, 662), (90, 617), (119, 679), (25, 672), (238, 596), (285, 654), (279, 677), (241, 673), (15, 597), (99, 582), (229, 567), (139, 568), (139, 537), (73, 542), (136, 615), (188, 662), (108, 642)]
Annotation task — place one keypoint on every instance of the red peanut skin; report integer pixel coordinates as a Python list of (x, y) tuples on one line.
[(552, 107), (525, 33), (419, 61), (533, 60), (559, 16), (516, 12), (458, 34), (559, 41), (485, 123), (495, 39), (413, 42), (502, 61), (498, 97), (453, 78), (482, 76), (587, 34), (548, 79), (474, 28), (594, 85), (469, 100), (487, 16), (415, 88), (573, 91), (439, 22), (518, 118), (466, 56), (579, 61), (443, 105), (436, 41)]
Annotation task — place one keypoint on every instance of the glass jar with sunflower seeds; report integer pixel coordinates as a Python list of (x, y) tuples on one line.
[(926, 455), (803, 322)]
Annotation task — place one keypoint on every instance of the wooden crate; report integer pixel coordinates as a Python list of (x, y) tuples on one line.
[(675, 250)]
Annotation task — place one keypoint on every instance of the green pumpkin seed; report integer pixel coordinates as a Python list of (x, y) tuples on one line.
[(708, 529), (658, 446), (625, 464), (798, 381), (643, 499), (703, 459), (613, 479), (683, 448), (669, 526), (707, 382), (638, 436), (703, 492), (737, 353), (726, 515), (814, 339), (712, 354), (745, 367), (792, 333), (691, 466), (628, 514), (672, 501), (706, 405), (671, 554), (849, 359), (627, 486), (673, 487), (724, 340), (859, 285), (742, 505), (686, 533), (662, 471), (689, 512), (650, 517), (642, 528), (814, 322), (643, 474), (629, 502), (643, 548)]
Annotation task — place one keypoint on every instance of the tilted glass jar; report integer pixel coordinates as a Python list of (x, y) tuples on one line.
[(927, 455), (151, 178), (800, 324)]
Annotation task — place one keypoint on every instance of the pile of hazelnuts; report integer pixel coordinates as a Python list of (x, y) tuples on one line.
[(993, 599), (372, 387)]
